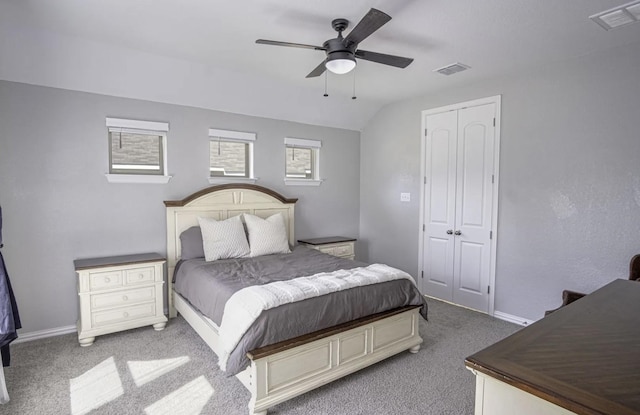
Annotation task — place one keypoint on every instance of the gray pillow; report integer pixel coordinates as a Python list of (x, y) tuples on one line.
[(191, 241)]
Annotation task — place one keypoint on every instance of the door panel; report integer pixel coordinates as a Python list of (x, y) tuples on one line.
[(440, 193), (442, 158), (473, 140), (439, 268), (474, 200), (469, 286)]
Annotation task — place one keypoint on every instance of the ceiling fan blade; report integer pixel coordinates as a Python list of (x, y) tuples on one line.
[(318, 71), (392, 60), (371, 22), (289, 44)]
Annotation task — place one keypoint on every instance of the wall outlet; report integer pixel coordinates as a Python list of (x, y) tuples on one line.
[(405, 197)]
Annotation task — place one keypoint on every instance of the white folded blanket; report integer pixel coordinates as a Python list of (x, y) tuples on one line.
[(245, 306)]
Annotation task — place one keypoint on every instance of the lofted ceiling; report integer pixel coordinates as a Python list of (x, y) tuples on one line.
[(202, 53)]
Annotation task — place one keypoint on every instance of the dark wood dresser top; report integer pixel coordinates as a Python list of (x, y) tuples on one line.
[(326, 240), (584, 357), (111, 261)]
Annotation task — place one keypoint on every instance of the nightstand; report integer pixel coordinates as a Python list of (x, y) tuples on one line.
[(119, 293), (339, 246)]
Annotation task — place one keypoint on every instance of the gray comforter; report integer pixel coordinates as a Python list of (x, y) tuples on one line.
[(208, 286)]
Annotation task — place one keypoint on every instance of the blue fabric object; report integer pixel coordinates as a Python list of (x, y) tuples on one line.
[(9, 317)]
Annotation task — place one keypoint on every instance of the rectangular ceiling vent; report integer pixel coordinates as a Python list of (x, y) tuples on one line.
[(451, 69), (618, 16)]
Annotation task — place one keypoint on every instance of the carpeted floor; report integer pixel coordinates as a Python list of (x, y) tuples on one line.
[(174, 372)]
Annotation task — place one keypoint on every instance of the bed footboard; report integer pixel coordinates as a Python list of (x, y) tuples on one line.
[(283, 371)]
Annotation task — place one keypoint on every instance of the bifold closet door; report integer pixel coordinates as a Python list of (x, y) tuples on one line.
[(458, 205)]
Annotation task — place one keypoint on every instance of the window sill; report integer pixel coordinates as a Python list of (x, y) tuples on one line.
[(219, 180), (137, 178), (302, 182)]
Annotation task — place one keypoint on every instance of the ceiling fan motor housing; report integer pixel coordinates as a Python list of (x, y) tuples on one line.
[(337, 46), (340, 58)]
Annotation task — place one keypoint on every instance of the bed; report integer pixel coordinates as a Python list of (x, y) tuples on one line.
[(276, 369)]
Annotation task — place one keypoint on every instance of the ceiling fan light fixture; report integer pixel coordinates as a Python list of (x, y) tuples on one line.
[(340, 62)]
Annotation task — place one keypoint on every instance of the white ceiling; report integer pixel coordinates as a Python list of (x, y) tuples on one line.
[(202, 52)]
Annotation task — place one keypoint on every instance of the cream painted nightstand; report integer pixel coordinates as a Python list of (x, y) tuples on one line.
[(119, 293), (333, 245)]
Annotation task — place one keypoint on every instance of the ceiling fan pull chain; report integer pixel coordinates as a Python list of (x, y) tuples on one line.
[(354, 86), (325, 85)]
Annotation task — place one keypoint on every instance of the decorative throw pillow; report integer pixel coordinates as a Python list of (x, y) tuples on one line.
[(267, 236), (223, 239), (191, 243)]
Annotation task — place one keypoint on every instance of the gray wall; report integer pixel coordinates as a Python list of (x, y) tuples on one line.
[(569, 207), (58, 206)]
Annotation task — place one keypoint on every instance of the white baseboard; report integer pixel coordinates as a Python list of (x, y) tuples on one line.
[(513, 319), (43, 334), (497, 314)]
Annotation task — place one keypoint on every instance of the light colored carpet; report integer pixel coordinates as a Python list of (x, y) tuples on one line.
[(174, 372)]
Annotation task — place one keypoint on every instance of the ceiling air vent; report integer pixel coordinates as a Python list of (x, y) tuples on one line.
[(451, 69), (618, 16)]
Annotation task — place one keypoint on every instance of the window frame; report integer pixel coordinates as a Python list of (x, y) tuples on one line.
[(159, 129), (248, 138), (314, 146)]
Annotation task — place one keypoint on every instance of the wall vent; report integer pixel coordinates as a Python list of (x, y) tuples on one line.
[(451, 69), (618, 16)]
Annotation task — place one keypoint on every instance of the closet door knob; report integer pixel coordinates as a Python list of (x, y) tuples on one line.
[(449, 232), (458, 233)]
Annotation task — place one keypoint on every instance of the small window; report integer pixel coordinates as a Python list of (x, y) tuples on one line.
[(136, 152), (300, 163), (137, 149), (230, 155), (302, 166)]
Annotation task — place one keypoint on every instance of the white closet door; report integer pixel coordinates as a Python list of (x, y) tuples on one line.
[(458, 204), (474, 199), (440, 206)]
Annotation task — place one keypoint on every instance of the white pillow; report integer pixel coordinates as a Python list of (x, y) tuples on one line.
[(223, 239), (267, 236)]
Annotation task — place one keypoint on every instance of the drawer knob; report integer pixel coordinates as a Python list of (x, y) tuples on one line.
[(125, 298), (140, 276), (107, 280), (125, 314)]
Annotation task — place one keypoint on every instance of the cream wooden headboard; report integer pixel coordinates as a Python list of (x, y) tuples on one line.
[(221, 202)]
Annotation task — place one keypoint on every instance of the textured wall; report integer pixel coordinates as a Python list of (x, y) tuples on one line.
[(569, 208), (57, 205)]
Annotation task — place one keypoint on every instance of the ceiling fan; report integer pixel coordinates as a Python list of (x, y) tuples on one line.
[(343, 51)]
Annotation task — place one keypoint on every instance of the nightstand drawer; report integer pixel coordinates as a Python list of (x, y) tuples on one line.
[(328, 250), (105, 280), (119, 298), (105, 318), (140, 275), (344, 250)]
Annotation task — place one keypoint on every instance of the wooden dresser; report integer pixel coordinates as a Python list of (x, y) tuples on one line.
[(581, 359), (119, 293)]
